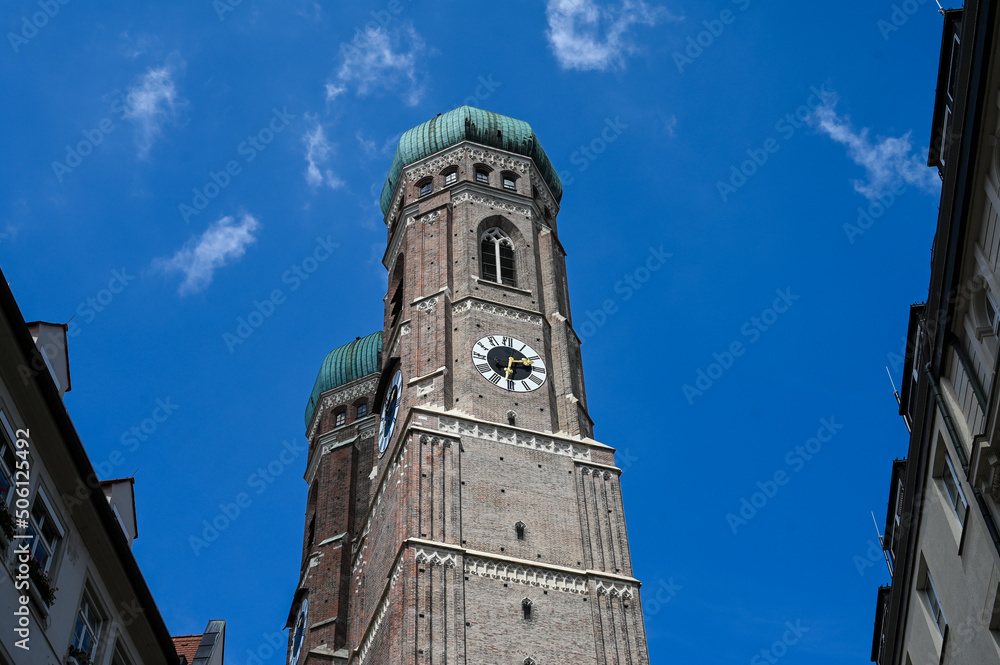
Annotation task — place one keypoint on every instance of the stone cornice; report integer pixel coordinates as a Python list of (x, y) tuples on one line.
[(507, 311), (342, 395)]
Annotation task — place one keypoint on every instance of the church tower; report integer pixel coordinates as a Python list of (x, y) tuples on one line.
[(460, 510)]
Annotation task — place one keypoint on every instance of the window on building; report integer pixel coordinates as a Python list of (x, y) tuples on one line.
[(45, 531), (87, 632), (519, 530), (425, 188), (8, 459), (933, 602), (483, 176), (497, 250), (362, 410), (526, 608), (312, 531), (451, 177), (953, 489), (509, 181), (340, 418)]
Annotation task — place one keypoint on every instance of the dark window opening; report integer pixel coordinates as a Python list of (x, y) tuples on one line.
[(312, 531), (362, 410), (519, 530), (526, 608), (497, 251)]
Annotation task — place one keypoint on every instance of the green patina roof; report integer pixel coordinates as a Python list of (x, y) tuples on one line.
[(344, 364), (468, 124)]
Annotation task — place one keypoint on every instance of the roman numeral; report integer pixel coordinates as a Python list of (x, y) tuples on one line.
[(525, 387), (483, 367), (476, 354), (534, 358), (510, 384), (507, 341), (539, 369), (485, 348), (523, 347), (534, 379), (495, 379), (493, 340)]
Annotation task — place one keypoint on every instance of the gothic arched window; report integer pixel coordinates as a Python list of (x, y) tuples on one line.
[(497, 250), (519, 530), (526, 608)]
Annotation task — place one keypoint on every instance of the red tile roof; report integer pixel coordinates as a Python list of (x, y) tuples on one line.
[(187, 645)]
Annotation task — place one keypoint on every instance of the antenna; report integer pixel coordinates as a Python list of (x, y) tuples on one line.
[(881, 541), (940, 8)]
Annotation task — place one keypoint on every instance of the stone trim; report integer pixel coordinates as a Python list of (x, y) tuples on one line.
[(613, 589), (466, 304), (526, 575), (380, 613), (523, 439), (436, 558), (338, 396), (493, 203)]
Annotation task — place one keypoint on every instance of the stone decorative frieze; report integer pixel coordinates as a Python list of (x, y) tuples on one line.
[(513, 438), (493, 203), (541, 578), (436, 165), (430, 439), (380, 614), (404, 329), (497, 310), (603, 473), (427, 305), (614, 589), (500, 161), (342, 396), (430, 217), (436, 558)]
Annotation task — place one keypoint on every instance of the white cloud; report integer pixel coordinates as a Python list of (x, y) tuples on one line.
[(585, 36), (222, 243), (377, 60), (151, 103), (670, 125), (887, 161), (318, 151)]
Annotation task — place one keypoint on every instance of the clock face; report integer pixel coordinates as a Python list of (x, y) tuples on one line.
[(509, 363), (389, 412), (300, 633)]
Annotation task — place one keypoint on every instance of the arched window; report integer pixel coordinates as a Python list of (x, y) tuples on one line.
[(425, 187), (497, 250), (482, 175), (509, 180), (526, 608), (362, 410), (451, 177), (519, 530), (340, 418)]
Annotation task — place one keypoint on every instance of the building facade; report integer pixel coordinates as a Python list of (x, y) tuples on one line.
[(459, 508), (942, 540), (70, 589)]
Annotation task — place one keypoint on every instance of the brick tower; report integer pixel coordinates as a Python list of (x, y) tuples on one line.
[(459, 509)]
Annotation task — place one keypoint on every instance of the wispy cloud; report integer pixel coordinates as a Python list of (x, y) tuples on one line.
[(318, 151), (150, 103), (887, 161), (586, 36), (378, 60), (222, 243)]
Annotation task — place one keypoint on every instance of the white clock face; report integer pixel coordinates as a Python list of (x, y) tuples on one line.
[(389, 412), (509, 363)]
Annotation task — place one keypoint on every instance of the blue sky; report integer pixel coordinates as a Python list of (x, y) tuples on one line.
[(212, 159)]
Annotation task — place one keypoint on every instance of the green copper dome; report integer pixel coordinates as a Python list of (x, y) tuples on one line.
[(468, 124), (344, 364)]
